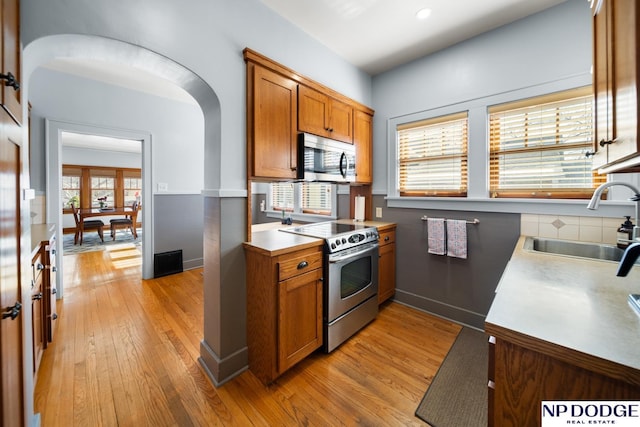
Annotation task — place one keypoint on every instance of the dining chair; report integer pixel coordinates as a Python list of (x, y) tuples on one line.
[(129, 222), (93, 224)]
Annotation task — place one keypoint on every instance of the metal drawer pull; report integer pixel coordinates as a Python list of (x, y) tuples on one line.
[(302, 265), (386, 238), (12, 312), (40, 266), (54, 269), (54, 291), (37, 296)]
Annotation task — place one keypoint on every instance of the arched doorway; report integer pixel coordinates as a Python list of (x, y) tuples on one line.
[(127, 57)]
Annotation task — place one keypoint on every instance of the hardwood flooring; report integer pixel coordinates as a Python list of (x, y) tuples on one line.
[(125, 353)]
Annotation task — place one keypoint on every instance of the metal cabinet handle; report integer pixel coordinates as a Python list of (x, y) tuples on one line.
[(54, 269), (589, 154), (54, 316), (302, 265), (40, 266), (611, 141), (10, 80), (12, 312), (37, 296), (386, 238), (54, 291)]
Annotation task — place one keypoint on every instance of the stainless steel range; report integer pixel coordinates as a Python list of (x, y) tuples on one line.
[(350, 277)]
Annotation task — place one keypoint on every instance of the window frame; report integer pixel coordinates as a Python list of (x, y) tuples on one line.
[(553, 102), (438, 122), (297, 211), (478, 199), (86, 173)]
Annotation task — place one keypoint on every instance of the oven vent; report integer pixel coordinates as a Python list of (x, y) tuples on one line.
[(166, 263)]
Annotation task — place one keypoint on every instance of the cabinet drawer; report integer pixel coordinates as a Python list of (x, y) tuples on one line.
[(387, 237), (37, 267), (298, 264)]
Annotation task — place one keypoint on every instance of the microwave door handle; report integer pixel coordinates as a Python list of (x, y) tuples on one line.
[(343, 158)]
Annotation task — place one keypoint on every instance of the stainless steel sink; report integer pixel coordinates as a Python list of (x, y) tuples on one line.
[(576, 249)]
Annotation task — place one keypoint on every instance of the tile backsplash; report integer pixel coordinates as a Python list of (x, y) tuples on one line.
[(580, 228)]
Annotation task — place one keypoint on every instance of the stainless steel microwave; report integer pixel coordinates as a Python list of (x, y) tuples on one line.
[(324, 159)]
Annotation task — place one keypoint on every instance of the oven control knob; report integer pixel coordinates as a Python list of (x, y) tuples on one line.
[(344, 240), (333, 246)]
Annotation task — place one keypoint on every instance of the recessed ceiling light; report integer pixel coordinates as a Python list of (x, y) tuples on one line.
[(423, 13)]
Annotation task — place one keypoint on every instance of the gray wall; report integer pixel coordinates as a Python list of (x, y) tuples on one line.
[(454, 288), (179, 225), (546, 47)]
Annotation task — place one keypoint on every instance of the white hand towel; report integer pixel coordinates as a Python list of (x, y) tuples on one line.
[(457, 238), (435, 230)]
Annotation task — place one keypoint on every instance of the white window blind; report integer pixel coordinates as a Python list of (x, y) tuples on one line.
[(538, 147), (432, 156), (316, 198), (282, 196), (303, 197)]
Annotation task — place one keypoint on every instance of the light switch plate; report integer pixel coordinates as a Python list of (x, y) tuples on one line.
[(378, 212), (163, 186)]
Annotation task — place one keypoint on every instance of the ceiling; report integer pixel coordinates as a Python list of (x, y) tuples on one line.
[(377, 35)]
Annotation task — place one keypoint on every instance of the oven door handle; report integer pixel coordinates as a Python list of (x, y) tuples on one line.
[(334, 259)]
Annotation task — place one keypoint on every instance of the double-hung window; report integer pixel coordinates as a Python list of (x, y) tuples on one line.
[(538, 147), (432, 157)]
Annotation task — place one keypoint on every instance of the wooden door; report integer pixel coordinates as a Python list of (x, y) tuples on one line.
[(274, 136), (10, 289), (11, 58), (363, 140), (313, 112), (299, 318), (341, 121)]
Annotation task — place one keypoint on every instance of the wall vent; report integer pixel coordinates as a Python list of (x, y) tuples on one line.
[(166, 263)]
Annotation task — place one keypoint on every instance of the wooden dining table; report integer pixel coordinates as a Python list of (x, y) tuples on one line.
[(125, 211)]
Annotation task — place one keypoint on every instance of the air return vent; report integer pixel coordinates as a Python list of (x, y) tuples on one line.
[(166, 263)]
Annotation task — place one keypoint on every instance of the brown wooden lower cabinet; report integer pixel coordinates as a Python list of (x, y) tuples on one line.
[(37, 311), (387, 263), (284, 309), (523, 378)]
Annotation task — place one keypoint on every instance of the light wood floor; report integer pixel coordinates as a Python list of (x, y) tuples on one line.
[(125, 353)]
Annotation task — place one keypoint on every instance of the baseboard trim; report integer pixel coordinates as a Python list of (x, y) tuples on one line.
[(440, 309), (219, 370)]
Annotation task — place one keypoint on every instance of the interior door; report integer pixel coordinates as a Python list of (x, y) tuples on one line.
[(10, 290)]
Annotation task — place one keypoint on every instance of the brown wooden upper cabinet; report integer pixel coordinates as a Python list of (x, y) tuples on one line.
[(271, 124), (615, 85), (281, 103), (322, 115), (11, 68)]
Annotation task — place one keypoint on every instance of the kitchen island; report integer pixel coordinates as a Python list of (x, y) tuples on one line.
[(562, 330)]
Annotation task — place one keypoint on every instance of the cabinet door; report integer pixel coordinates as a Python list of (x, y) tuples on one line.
[(273, 136), (341, 121), (37, 323), (625, 77), (603, 96), (11, 58), (313, 112), (615, 81), (386, 271), (363, 140), (299, 318)]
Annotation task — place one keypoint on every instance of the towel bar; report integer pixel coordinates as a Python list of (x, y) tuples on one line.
[(475, 220)]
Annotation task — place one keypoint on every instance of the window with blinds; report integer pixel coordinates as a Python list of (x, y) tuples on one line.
[(538, 147), (282, 196), (315, 198), (432, 156)]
